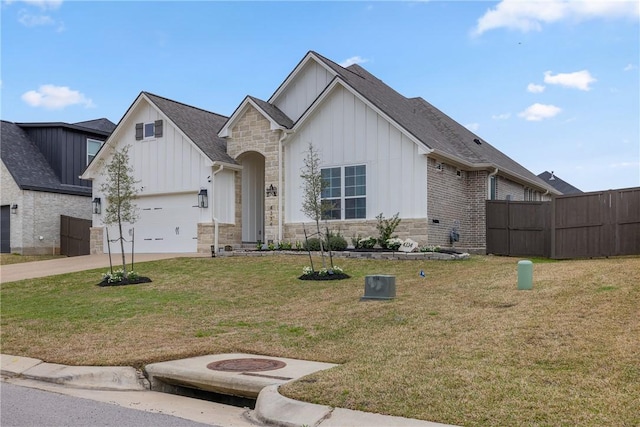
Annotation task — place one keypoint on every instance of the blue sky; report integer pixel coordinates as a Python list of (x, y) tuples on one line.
[(554, 84)]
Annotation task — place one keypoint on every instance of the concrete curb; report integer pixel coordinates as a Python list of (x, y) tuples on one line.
[(274, 409), (271, 407), (116, 378)]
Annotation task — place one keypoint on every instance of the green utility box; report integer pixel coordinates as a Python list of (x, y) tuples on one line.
[(525, 274)]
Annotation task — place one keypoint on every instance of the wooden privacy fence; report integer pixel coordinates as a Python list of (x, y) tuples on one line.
[(74, 236), (597, 224)]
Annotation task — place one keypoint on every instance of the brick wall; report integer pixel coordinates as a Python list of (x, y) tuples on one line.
[(40, 220), (448, 204)]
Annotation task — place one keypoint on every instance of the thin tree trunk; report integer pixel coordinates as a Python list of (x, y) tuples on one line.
[(109, 249), (324, 264)]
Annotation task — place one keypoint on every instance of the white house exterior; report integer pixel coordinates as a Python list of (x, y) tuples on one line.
[(379, 151), (172, 163)]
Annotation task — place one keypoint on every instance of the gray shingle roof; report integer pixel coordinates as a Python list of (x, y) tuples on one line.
[(28, 166), (199, 125), (102, 125), (429, 125), (559, 184), (274, 112)]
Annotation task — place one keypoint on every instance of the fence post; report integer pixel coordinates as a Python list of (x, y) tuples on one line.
[(553, 227)]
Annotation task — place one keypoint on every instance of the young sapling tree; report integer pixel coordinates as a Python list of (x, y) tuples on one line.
[(120, 193)]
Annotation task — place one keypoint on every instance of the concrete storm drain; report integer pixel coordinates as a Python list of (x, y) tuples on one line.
[(246, 365)]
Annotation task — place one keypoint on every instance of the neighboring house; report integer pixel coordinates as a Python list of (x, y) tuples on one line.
[(41, 168), (562, 186), (380, 152)]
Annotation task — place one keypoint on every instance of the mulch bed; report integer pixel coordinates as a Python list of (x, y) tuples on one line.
[(316, 276), (125, 282)]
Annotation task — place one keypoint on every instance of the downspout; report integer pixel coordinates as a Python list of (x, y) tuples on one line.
[(213, 209), (285, 135), (494, 173)]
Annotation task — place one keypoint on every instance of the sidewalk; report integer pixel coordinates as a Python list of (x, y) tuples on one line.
[(271, 407)]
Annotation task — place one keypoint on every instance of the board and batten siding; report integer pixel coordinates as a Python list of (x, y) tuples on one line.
[(345, 131), (303, 90), (170, 165)]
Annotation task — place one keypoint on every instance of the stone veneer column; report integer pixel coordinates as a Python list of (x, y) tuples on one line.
[(96, 240), (252, 132)]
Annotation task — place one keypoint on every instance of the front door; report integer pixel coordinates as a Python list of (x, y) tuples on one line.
[(252, 197)]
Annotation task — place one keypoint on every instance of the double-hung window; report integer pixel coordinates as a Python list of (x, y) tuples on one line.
[(93, 145), (345, 192)]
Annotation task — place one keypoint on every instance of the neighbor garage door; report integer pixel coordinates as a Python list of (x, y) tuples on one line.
[(5, 223), (166, 224)]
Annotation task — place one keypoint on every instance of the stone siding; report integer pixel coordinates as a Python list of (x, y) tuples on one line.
[(96, 243), (252, 132), (415, 229)]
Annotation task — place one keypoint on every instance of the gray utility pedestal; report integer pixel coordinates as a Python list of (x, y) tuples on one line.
[(379, 286)]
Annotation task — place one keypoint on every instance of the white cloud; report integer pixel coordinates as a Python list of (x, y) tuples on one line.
[(530, 15), (623, 165), (537, 112), (534, 88), (42, 4), (29, 20), (353, 60), (472, 126), (629, 67), (55, 97), (578, 80), (503, 116)]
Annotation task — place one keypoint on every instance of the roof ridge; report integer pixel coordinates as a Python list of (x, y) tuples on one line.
[(185, 105)]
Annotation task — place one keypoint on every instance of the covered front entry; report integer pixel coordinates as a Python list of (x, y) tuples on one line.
[(252, 196)]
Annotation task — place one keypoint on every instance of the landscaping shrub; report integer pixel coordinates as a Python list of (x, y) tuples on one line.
[(337, 243), (313, 244), (386, 227)]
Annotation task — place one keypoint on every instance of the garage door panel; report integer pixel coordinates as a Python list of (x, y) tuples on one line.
[(166, 224)]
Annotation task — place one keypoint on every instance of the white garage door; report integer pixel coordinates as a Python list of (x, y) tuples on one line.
[(166, 224)]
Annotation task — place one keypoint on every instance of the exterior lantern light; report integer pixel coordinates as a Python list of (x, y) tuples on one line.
[(203, 199), (272, 191), (14, 209), (97, 206)]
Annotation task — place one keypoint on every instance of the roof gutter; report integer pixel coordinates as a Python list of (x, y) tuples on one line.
[(491, 175), (213, 208)]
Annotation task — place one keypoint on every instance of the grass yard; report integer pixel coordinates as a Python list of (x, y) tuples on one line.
[(461, 346), (6, 259)]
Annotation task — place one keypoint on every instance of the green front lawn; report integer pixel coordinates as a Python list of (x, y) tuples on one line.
[(461, 346)]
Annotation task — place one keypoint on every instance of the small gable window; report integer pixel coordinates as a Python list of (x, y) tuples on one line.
[(149, 130), (93, 145)]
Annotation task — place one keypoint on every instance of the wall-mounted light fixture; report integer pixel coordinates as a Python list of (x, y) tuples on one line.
[(14, 209), (97, 206), (272, 191), (203, 199)]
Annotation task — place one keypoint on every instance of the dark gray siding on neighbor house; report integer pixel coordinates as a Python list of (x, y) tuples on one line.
[(65, 150)]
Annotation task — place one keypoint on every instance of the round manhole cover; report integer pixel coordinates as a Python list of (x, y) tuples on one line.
[(246, 365)]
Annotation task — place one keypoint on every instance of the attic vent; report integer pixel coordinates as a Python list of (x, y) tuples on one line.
[(477, 141)]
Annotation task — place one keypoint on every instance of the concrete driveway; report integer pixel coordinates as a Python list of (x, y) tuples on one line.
[(51, 267)]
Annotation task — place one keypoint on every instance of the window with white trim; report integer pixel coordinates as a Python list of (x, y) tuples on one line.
[(345, 192), (93, 145), (149, 130)]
